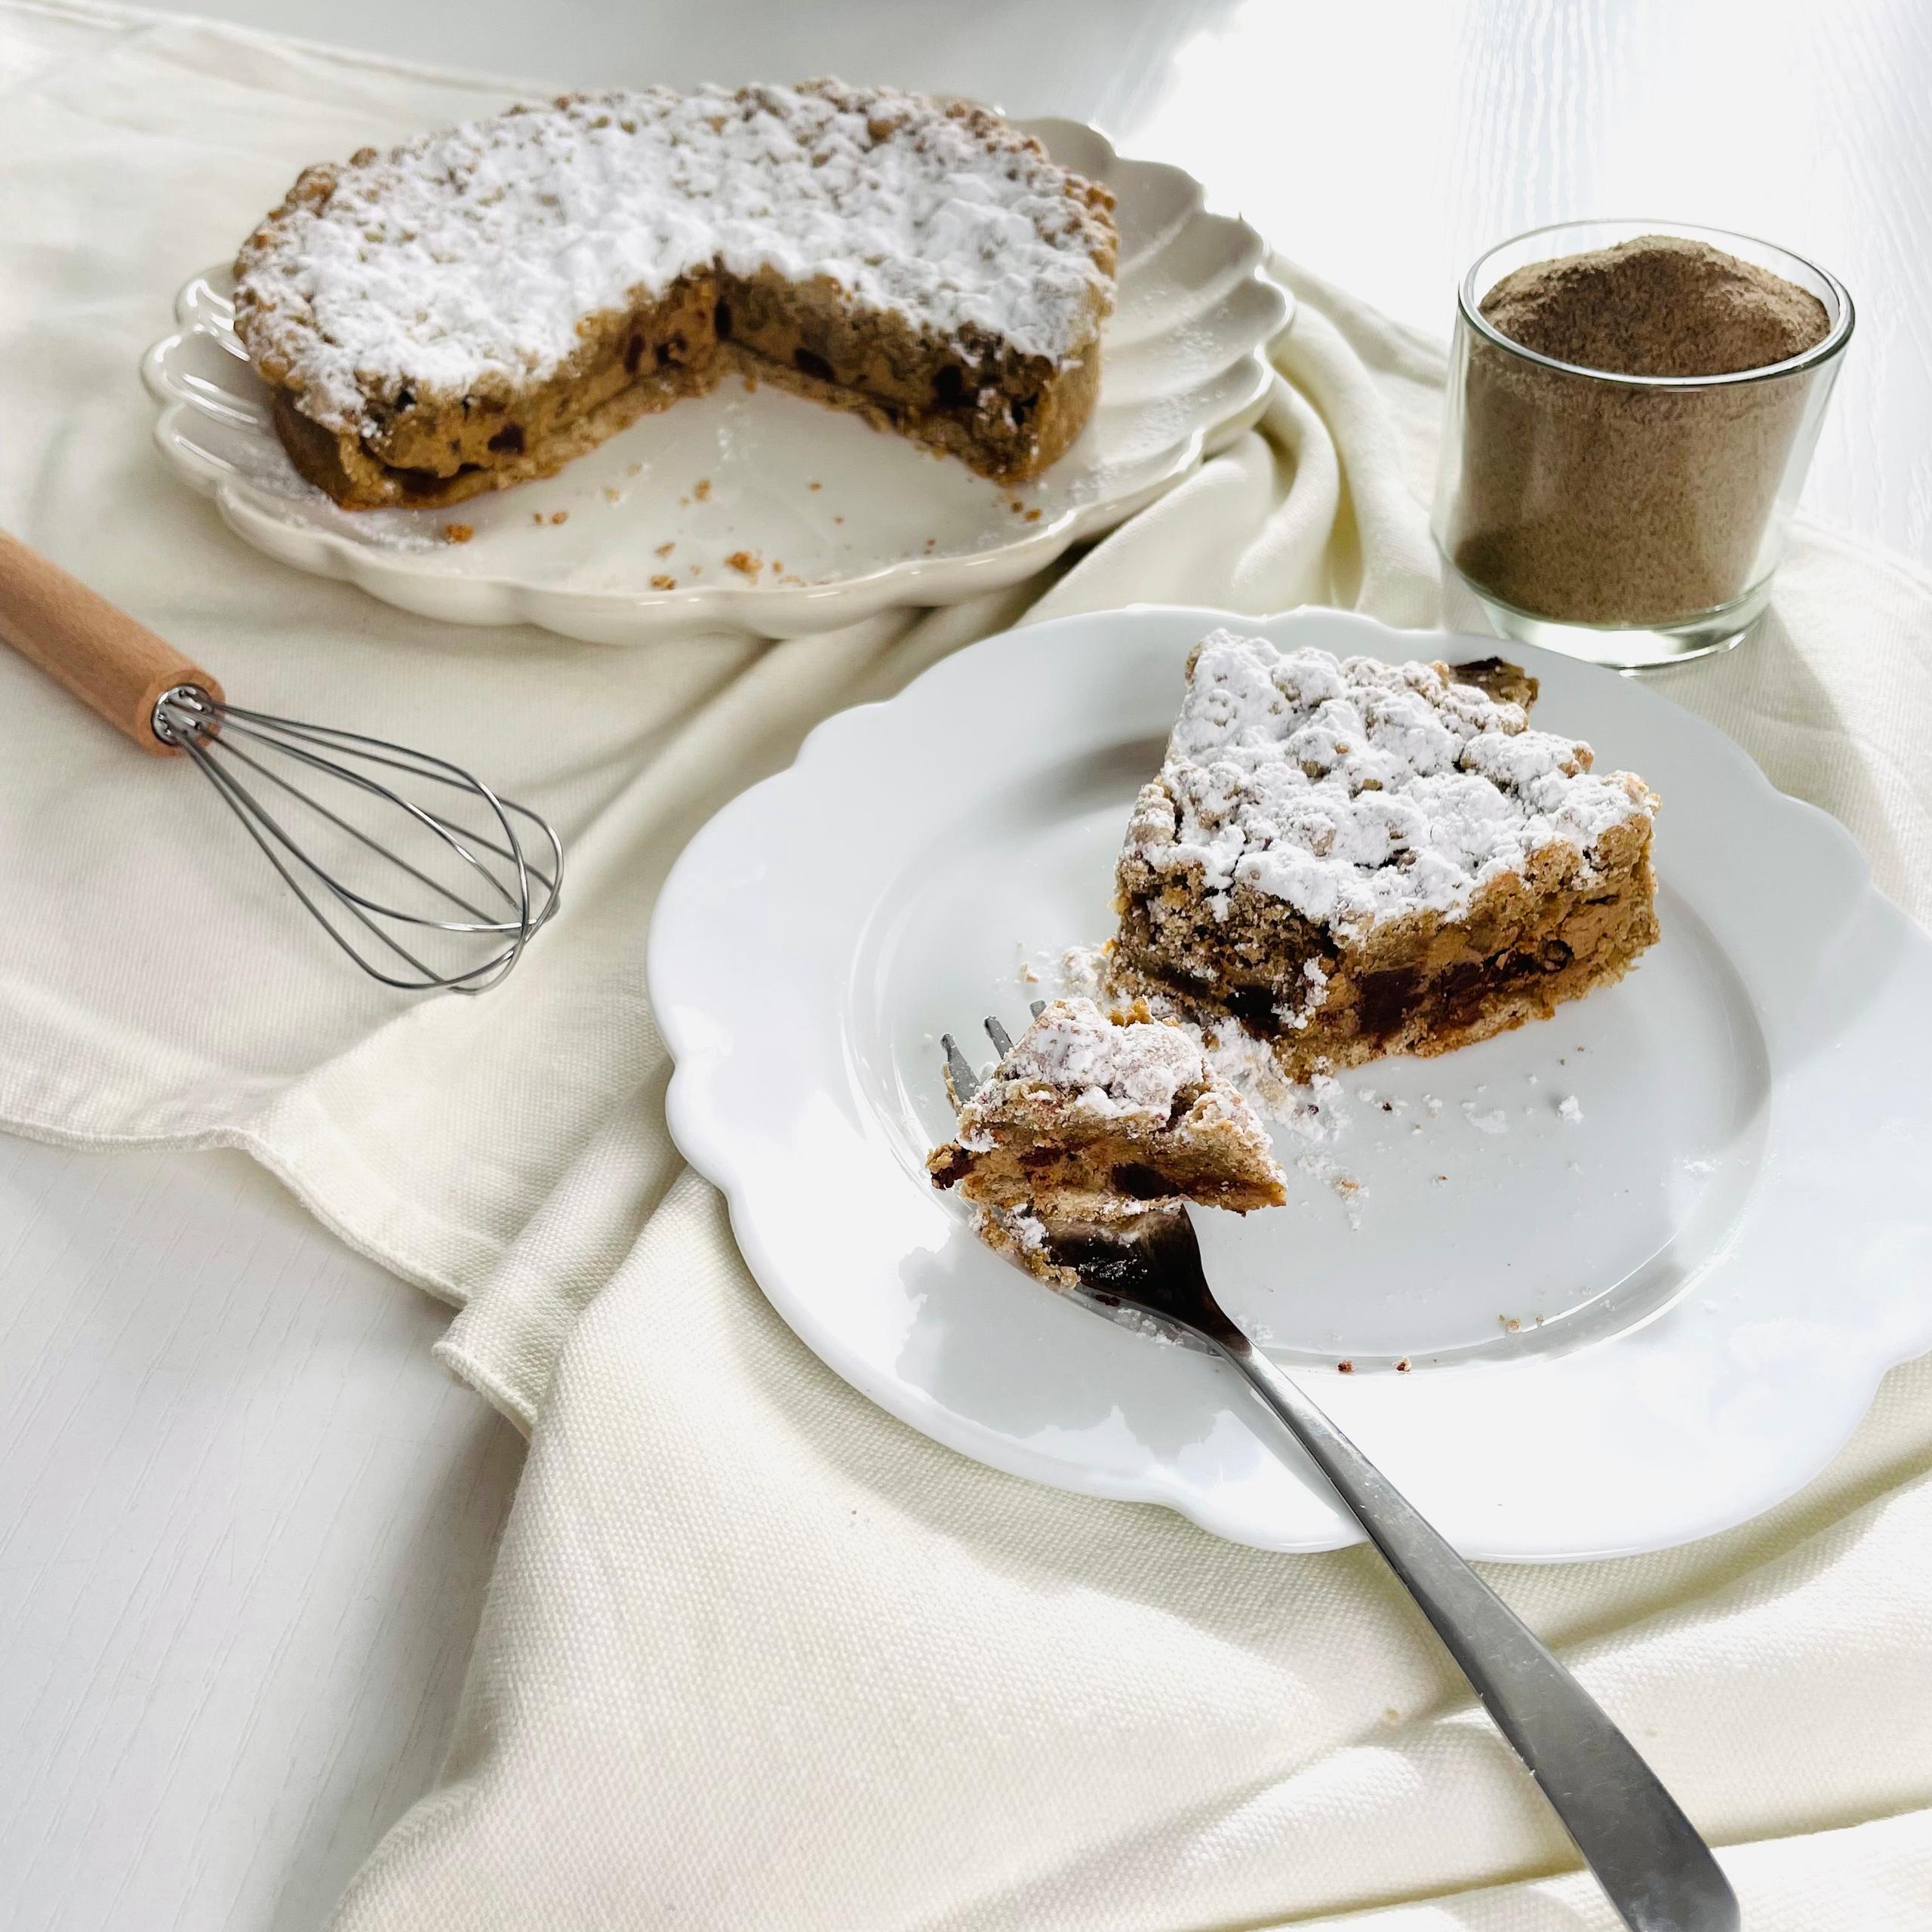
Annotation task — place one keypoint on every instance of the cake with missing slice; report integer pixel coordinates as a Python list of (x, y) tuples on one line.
[(477, 306), (1092, 1117), (1349, 858)]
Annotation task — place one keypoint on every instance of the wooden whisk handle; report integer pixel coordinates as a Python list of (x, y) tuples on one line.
[(115, 665)]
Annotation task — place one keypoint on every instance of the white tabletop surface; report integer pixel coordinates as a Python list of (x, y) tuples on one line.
[(245, 1523)]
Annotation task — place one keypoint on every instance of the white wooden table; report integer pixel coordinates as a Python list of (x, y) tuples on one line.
[(245, 1523)]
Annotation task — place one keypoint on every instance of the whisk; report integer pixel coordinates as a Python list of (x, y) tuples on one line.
[(351, 824)]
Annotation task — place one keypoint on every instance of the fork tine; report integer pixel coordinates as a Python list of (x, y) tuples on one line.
[(1002, 1039), (962, 1082)]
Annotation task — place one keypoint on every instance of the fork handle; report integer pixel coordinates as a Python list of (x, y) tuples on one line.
[(112, 664), (1646, 1855)]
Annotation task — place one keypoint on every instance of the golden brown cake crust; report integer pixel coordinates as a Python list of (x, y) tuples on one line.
[(407, 373)]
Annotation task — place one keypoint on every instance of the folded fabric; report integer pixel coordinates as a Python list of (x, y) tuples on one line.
[(757, 1655)]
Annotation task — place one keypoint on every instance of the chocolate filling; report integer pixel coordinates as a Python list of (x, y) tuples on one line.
[(958, 1165)]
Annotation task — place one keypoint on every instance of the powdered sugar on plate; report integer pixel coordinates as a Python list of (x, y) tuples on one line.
[(468, 258), (1359, 792)]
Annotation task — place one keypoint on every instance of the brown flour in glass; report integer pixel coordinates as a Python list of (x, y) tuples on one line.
[(1593, 502)]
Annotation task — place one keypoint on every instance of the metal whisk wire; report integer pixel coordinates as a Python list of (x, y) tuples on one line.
[(519, 895)]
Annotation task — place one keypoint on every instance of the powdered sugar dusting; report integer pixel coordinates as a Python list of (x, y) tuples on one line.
[(1314, 1112), (1131, 1073), (470, 256), (1359, 792)]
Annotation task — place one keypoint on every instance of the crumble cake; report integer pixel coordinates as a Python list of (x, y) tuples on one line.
[(478, 306), (1352, 858), (1092, 1119)]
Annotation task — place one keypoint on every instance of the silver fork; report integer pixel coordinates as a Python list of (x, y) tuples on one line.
[(1655, 1869)]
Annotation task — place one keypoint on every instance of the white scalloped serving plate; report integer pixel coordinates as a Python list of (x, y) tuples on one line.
[(1627, 1330), (839, 521)]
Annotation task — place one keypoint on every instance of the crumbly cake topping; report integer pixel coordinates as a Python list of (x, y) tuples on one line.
[(1074, 1058), (1359, 792), (471, 255)]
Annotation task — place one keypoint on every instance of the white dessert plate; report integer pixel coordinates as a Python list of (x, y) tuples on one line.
[(828, 520), (1629, 1323)]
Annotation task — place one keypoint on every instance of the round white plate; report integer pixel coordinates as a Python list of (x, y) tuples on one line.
[(830, 520), (1627, 1330)]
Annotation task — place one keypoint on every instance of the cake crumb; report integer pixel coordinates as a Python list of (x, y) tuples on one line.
[(1028, 975), (814, 486), (458, 532), (838, 519), (746, 562), (612, 494), (750, 385), (1571, 1109), (1510, 1323), (1032, 516), (665, 549), (1345, 1368), (701, 489), (661, 582), (560, 516), (1402, 1367)]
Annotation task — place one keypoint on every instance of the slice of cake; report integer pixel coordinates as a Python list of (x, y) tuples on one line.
[(1352, 858), (1092, 1117), (477, 306)]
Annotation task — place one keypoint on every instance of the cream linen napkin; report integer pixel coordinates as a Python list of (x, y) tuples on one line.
[(756, 1655)]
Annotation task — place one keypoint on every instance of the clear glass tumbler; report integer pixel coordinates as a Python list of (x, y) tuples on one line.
[(1632, 520)]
